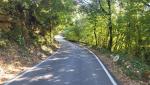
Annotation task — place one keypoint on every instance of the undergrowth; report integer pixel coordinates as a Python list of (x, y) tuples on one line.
[(134, 68)]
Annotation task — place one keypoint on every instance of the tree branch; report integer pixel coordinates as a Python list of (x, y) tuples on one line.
[(99, 2)]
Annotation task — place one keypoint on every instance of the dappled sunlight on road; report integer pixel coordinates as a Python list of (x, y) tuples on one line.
[(55, 59), (59, 38), (70, 65), (56, 77), (44, 77)]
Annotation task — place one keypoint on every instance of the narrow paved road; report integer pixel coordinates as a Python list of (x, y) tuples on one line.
[(70, 65)]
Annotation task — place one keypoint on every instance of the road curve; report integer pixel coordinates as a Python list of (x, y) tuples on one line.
[(70, 65)]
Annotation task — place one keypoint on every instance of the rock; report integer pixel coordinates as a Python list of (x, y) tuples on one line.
[(146, 75), (1, 71), (116, 58), (39, 54)]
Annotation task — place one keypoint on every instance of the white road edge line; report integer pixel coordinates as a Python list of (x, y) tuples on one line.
[(28, 70), (108, 74)]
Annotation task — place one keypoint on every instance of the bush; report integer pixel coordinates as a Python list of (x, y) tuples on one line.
[(3, 43), (16, 35), (133, 68)]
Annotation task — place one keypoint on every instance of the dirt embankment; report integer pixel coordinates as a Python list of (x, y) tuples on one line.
[(14, 60)]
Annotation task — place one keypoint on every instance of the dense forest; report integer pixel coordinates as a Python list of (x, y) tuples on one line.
[(118, 27), (121, 27), (31, 21)]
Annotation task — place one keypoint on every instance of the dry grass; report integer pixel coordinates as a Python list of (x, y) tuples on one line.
[(14, 60)]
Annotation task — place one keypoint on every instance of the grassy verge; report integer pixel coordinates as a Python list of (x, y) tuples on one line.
[(129, 72)]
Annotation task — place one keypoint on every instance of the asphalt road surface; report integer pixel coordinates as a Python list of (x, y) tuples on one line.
[(70, 65)]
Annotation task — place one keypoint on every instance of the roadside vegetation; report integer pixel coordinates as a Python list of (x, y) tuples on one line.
[(27, 29)]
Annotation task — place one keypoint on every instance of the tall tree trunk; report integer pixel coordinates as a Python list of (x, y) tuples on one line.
[(51, 38), (110, 41), (96, 42)]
